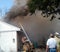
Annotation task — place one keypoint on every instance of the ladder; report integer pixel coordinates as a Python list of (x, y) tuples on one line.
[(25, 33)]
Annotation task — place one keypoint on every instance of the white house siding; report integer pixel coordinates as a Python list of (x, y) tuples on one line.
[(6, 41), (7, 27)]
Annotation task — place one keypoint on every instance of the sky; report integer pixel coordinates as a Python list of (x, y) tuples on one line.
[(5, 5)]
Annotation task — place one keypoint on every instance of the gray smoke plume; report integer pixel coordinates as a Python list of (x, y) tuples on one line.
[(37, 27), (18, 9)]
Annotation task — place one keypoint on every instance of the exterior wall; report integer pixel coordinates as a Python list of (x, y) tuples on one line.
[(8, 41)]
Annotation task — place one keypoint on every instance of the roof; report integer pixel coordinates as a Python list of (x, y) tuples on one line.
[(7, 27)]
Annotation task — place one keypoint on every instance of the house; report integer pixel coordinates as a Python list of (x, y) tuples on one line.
[(8, 37)]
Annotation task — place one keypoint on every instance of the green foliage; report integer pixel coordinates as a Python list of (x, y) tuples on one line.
[(47, 6), (59, 44)]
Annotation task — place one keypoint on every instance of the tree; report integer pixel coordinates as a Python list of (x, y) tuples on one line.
[(47, 7)]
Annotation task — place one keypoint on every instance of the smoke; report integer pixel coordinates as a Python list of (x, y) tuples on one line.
[(36, 26), (18, 9)]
